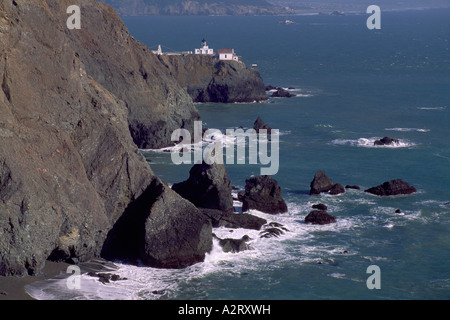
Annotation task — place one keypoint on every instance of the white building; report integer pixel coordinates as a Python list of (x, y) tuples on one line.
[(204, 49), (227, 54)]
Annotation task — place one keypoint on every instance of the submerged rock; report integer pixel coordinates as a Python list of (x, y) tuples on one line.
[(234, 245), (264, 194), (392, 188), (273, 229), (208, 186), (319, 217), (353, 187)]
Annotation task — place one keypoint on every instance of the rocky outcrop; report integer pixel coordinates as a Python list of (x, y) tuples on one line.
[(319, 217), (207, 79), (233, 220), (386, 141), (197, 7), (337, 189), (273, 229), (282, 93), (392, 188), (69, 167), (161, 229), (208, 186), (264, 194), (321, 183), (259, 124)]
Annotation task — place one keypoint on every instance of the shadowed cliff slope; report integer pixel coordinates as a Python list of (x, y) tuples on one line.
[(69, 168)]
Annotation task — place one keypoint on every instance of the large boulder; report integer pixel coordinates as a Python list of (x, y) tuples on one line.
[(264, 194), (392, 188), (160, 229), (319, 217), (208, 186)]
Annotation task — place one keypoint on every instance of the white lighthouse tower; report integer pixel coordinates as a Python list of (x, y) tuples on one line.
[(204, 49)]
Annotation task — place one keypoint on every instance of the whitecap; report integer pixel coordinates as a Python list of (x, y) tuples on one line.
[(407, 129), (431, 108), (369, 143)]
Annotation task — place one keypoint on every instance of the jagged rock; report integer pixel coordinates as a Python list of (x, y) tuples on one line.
[(233, 220), (385, 141), (264, 194), (320, 183), (259, 124), (320, 206), (337, 189), (234, 245), (273, 229), (208, 186), (392, 188), (282, 93), (106, 277), (161, 229), (319, 217)]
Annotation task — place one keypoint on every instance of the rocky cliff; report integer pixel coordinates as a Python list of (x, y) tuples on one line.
[(207, 79), (197, 7), (74, 106)]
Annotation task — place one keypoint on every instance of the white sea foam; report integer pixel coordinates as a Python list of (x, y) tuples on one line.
[(407, 129), (369, 143), (432, 108)]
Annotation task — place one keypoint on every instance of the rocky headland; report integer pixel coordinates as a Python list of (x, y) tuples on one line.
[(208, 79), (197, 7)]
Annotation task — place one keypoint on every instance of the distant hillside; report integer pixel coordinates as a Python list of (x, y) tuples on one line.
[(196, 7)]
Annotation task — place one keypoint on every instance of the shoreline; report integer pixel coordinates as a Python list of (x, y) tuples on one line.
[(13, 288)]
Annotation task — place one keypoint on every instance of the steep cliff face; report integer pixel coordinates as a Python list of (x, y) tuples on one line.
[(207, 79), (197, 7), (69, 168)]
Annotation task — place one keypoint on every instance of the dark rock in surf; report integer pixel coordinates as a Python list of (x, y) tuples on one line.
[(352, 187), (208, 186), (392, 188), (319, 217), (320, 183), (385, 141), (234, 245), (282, 93), (273, 229), (337, 189), (264, 194), (259, 124), (320, 206)]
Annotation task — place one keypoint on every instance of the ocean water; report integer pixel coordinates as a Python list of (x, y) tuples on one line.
[(353, 86)]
